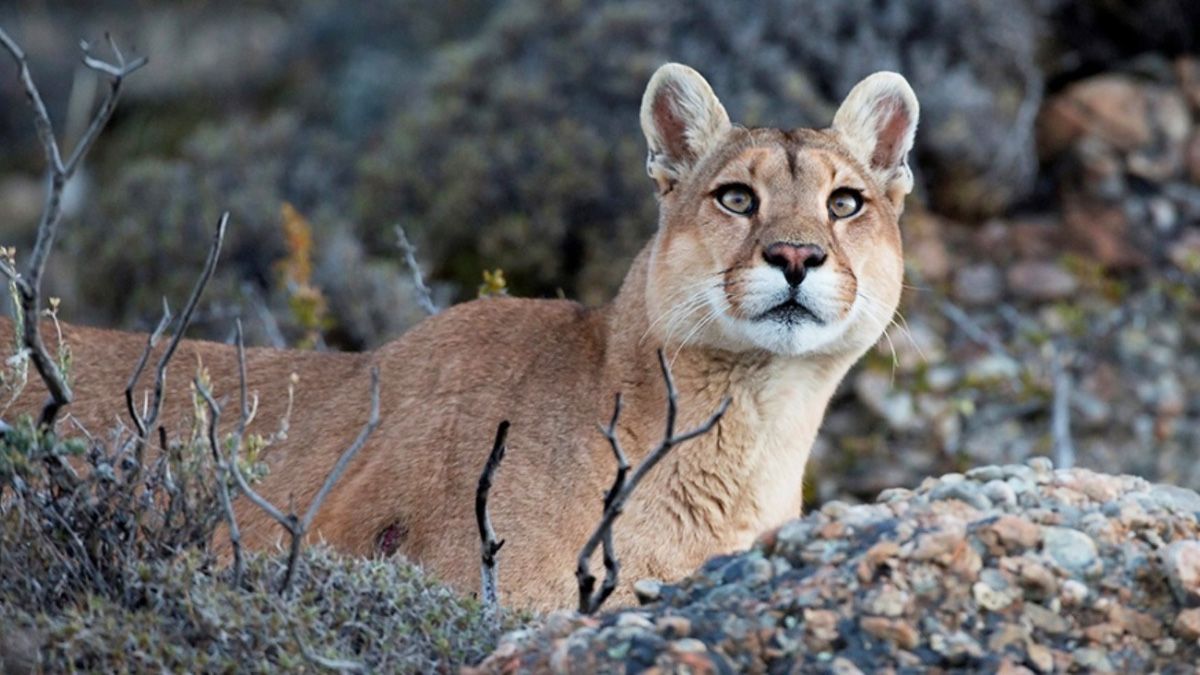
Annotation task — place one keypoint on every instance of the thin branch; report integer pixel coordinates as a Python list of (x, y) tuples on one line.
[(973, 330), (243, 403), (1060, 414), (348, 455), (116, 75), (488, 545), (185, 319), (58, 173), (618, 495), (424, 295), (151, 342), (235, 537), (296, 526), (612, 565)]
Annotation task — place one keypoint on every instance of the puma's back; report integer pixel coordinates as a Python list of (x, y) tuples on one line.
[(776, 264)]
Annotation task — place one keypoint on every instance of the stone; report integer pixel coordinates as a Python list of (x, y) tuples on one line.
[(647, 590), (900, 633), (896, 408), (844, 666), (980, 284), (1111, 107), (1074, 593), (938, 543), (674, 626), (1041, 658), (1014, 532), (1000, 493), (1046, 620), (1040, 281), (1181, 561), (1092, 659), (967, 492), (1184, 252), (1070, 549), (1187, 624), (992, 599)]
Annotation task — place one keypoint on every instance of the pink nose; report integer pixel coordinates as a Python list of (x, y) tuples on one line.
[(794, 260)]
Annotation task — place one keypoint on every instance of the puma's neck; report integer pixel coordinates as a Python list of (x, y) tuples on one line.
[(746, 474)]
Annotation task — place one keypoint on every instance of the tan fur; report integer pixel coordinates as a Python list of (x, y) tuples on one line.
[(552, 368)]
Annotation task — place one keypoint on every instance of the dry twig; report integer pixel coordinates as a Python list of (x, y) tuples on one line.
[(144, 424), (424, 295), (298, 526), (1060, 413), (235, 537), (59, 172), (489, 546), (618, 494)]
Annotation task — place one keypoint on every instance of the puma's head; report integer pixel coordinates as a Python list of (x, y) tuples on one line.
[(776, 240)]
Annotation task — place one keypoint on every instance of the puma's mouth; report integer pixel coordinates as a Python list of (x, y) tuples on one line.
[(790, 312)]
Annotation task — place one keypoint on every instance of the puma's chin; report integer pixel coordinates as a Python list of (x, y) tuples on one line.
[(790, 330)]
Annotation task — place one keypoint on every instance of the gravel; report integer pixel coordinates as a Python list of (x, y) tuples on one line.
[(1012, 569)]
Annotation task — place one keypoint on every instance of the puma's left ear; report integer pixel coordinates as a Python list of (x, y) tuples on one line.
[(682, 120), (878, 122)]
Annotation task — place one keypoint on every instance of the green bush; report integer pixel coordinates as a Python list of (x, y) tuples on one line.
[(108, 567)]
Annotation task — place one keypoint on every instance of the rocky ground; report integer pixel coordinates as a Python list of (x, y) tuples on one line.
[(1012, 569)]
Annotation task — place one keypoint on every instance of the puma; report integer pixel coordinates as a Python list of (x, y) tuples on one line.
[(776, 264)]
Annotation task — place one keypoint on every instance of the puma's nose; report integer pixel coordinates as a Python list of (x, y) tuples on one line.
[(794, 260)]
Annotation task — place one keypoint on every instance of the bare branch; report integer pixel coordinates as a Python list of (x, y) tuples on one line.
[(1060, 414), (424, 295), (244, 405), (58, 173), (151, 341), (296, 526), (489, 546), (235, 537), (116, 74), (618, 494), (348, 455), (185, 319)]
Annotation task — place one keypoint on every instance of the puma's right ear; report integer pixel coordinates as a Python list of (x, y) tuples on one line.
[(878, 122), (682, 120)]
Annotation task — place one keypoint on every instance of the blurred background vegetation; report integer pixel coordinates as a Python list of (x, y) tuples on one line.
[(1053, 241)]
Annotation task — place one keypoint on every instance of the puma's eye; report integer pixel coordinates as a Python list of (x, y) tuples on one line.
[(845, 202), (737, 198)]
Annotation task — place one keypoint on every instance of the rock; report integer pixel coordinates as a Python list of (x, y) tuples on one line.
[(1181, 561), (844, 666), (991, 599), (896, 407), (900, 633), (1185, 252), (1014, 532), (912, 578), (1101, 231), (1187, 624), (1176, 498), (1040, 281), (1145, 122), (1000, 493), (979, 284), (1070, 549), (647, 590), (1192, 157), (1112, 108), (1041, 658), (969, 493), (1092, 659)]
